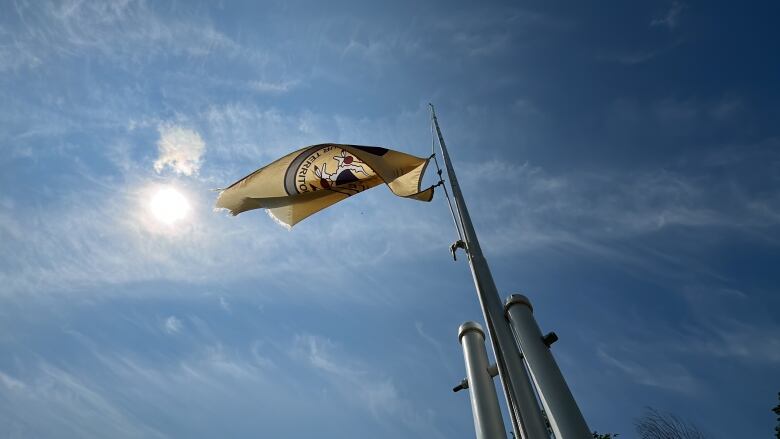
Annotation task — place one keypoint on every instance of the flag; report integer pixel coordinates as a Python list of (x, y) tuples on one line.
[(313, 178)]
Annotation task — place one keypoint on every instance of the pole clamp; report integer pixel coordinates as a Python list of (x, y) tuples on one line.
[(454, 248)]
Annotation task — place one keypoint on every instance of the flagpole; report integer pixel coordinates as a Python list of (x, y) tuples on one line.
[(562, 410), (488, 423), (521, 401)]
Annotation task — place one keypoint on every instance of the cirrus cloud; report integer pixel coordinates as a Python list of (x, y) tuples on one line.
[(180, 149)]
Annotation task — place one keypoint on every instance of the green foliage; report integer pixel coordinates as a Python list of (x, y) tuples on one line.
[(656, 425), (597, 435), (776, 409)]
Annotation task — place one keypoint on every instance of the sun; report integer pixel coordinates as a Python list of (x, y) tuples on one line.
[(169, 206)]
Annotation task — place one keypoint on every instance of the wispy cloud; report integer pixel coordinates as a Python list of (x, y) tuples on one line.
[(198, 385), (438, 348), (241, 132), (10, 382), (273, 87), (180, 149), (128, 32), (736, 339), (672, 17), (57, 403), (669, 376), (224, 304), (726, 325), (378, 393), (493, 32), (638, 56), (631, 58), (173, 325), (619, 216)]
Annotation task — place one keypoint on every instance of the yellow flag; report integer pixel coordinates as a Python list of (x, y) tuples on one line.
[(313, 178)]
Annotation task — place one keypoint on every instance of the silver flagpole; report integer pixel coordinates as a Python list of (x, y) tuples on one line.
[(523, 407), (562, 410), (488, 423)]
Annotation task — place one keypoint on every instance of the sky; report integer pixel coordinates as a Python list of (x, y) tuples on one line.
[(621, 161)]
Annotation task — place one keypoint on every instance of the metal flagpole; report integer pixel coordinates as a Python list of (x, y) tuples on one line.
[(565, 416), (488, 423), (526, 414)]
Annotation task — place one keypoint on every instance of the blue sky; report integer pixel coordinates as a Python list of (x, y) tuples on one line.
[(621, 162)]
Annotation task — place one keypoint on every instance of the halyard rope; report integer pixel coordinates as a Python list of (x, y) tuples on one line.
[(441, 179)]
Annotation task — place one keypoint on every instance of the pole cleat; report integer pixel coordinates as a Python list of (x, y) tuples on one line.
[(464, 384), (549, 339)]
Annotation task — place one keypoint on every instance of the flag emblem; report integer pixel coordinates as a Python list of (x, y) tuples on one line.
[(327, 168)]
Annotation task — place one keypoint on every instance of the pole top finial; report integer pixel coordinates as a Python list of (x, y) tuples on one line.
[(517, 299), (468, 327)]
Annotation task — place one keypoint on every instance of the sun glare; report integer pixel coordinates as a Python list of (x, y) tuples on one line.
[(169, 206)]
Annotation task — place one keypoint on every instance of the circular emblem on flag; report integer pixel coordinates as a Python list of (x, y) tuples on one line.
[(327, 167)]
